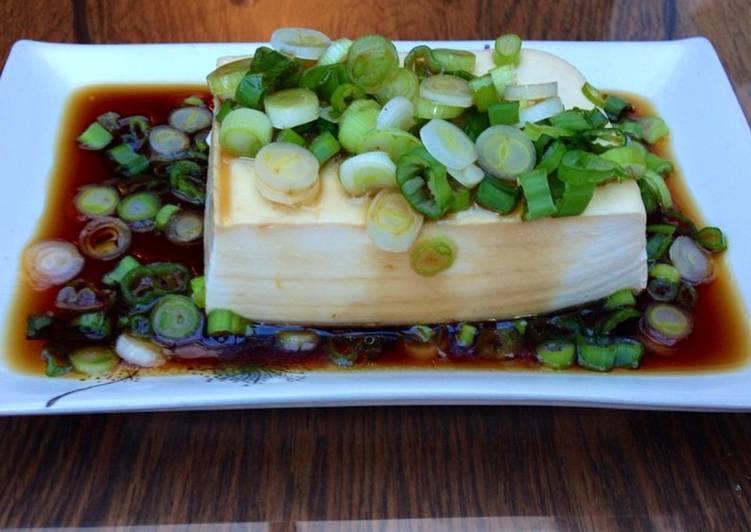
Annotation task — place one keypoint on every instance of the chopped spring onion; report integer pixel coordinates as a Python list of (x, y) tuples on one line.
[(653, 128), (424, 183), (142, 286), (575, 199), (95, 137), (356, 122), (392, 224), (628, 353), (290, 136), (397, 113), (221, 322), (656, 184), (300, 42), (618, 317), (104, 238), (344, 95), (422, 62), (94, 360), (483, 92), (433, 255), (371, 61), (615, 107), (224, 80), (296, 341), (712, 239), (692, 261), (96, 200), (469, 176), (188, 181), (621, 298), (533, 91), (336, 52), (505, 152), (168, 143), (502, 77), (595, 354), (185, 228), (583, 168), (536, 191), (125, 266), (464, 337), (287, 173), (324, 146), (428, 109), (448, 144), (556, 354), (657, 245), (190, 119), (593, 95), (540, 111), (572, 119), (658, 164), (503, 113), (447, 90), (139, 206), (666, 324), (367, 173), (536, 131), (245, 131), (395, 142), (198, 291), (461, 198), (497, 195), (176, 317), (402, 83), (51, 263), (552, 156), (630, 158), (129, 162), (664, 281), (455, 60), (631, 128), (291, 107), (139, 352), (507, 50), (94, 326)]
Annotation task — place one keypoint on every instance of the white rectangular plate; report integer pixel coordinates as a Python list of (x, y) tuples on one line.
[(684, 79)]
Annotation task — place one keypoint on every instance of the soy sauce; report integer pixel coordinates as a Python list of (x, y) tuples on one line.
[(720, 340)]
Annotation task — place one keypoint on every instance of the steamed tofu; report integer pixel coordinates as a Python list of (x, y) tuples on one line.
[(317, 265)]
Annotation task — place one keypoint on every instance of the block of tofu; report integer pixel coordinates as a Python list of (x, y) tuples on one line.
[(316, 264)]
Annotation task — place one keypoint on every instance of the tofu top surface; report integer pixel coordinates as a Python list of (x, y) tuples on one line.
[(238, 202)]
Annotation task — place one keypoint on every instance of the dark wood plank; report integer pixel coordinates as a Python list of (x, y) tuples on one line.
[(568, 468)]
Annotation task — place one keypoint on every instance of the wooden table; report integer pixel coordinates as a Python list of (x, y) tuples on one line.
[(421, 468)]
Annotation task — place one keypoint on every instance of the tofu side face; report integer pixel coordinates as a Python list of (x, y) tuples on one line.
[(316, 264)]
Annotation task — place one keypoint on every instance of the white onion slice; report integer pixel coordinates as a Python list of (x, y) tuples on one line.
[(367, 173), (291, 107), (392, 224), (138, 352), (541, 111), (300, 42), (533, 91), (447, 90), (286, 173), (448, 144), (469, 176), (51, 263), (692, 262), (398, 113)]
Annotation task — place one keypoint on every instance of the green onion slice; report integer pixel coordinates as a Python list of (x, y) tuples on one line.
[(497, 195), (593, 95), (356, 122), (286, 173), (304, 43), (95, 137), (574, 199), (224, 80), (556, 354), (392, 224), (245, 131), (96, 200), (712, 239), (536, 191), (324, 147), (336, 52), (507, 50), (395, 142), (448, 144), (428, 109), (424, 183), (139, 206), (446, 89), (402, 83), (484, 93), (432, 255), (503, 113), (505, 152), (176, 317), (291, 107), (455, 60), (94, 360), (583, 168), (422, 62), (221, 322), (659, 188), (367, 173), (371, 61)]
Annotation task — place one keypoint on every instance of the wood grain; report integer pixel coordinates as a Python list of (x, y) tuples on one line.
[(315, 469)]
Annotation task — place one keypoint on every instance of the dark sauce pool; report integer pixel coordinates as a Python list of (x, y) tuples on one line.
[(720, 339)]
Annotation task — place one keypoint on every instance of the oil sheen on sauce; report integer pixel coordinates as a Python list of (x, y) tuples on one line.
[(719, 342)]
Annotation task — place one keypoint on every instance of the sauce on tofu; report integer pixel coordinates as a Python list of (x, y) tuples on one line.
[(719, 341)]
